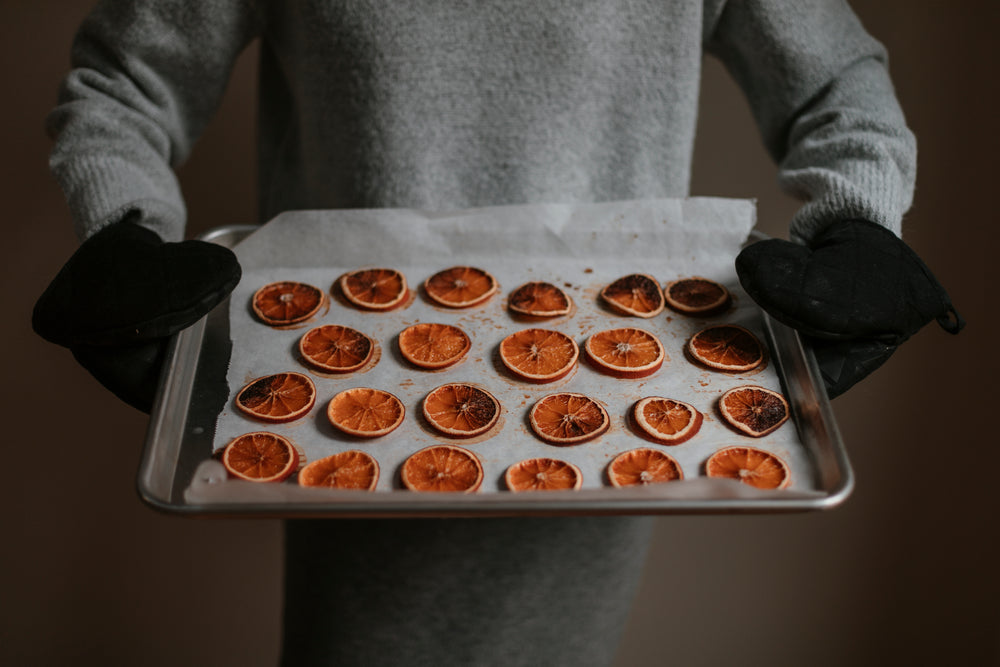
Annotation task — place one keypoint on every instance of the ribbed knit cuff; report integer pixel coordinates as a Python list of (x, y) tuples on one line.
[(858, 194), (100, 191)]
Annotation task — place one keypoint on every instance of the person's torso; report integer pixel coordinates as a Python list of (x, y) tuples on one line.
[(447, 104)]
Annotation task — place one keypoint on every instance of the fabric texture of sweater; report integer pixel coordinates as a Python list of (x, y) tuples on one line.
[(446, 104)]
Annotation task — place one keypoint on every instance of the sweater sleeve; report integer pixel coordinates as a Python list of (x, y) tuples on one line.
[(146, 77), (820, 92)]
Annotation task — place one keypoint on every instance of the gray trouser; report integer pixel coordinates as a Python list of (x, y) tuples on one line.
[(442, 592)]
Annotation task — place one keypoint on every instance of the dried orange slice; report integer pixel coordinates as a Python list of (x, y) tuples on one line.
[(374, 289), (696, 296), (287, 302), (568, 419), (461, 287), (643, 466), (336, 348), (625, 353), (442, 468), (726, 347), (345, 470), (755, 411), (260, 457), (461, 410), (635, 294), (433, 346), (667, 420), (751, 466), (365, 412), (543, 474), (539, 355), (539, 299), (281, 397)]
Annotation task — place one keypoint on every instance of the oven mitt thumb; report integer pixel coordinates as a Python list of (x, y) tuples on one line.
[(856, 292), (122, 294)]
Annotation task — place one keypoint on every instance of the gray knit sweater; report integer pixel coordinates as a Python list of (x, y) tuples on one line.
[(445, 104)]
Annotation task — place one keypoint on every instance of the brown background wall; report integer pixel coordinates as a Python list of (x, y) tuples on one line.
[(904, 573)]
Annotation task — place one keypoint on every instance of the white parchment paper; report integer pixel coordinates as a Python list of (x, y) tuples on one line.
[(579, 247)]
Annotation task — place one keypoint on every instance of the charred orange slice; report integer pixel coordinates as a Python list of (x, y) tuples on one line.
[(539, 299), (282, 397), (461, 410), (636, 294), (754, 411), (696, 296)]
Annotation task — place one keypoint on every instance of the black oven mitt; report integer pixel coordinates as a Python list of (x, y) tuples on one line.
[(856, 293), (120, 297)]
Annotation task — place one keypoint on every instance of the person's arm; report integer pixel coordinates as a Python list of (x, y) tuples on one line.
[(146, 77), (820, 92)]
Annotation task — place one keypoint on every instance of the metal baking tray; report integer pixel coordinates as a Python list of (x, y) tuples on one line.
[(177, 473)]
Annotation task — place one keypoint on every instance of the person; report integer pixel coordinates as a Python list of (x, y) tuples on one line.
[(447, 105)]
